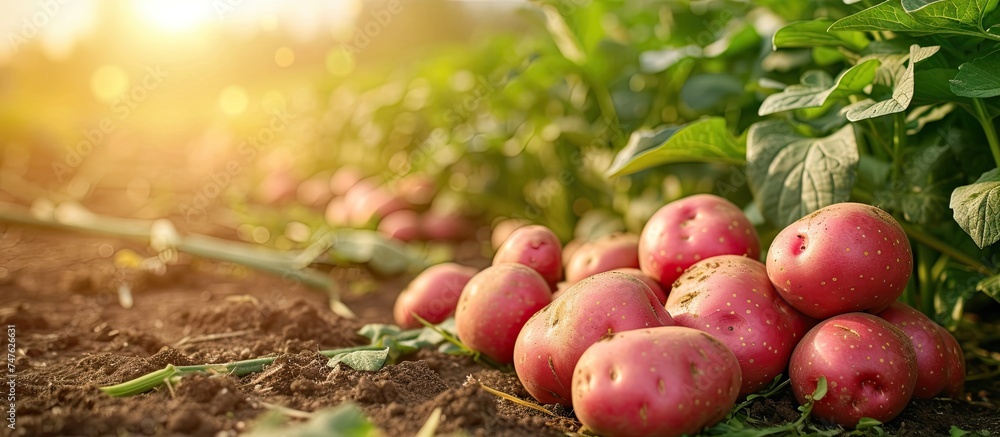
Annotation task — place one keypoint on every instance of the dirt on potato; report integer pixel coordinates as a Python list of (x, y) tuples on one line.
[(72, 335)]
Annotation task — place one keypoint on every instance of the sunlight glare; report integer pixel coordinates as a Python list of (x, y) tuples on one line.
[(175, 15)]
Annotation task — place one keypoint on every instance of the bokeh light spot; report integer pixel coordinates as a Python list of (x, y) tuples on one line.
[(339, 62), (108, 82), (233, 100), (284, 57)]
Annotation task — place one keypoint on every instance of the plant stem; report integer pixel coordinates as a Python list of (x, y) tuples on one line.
[(153, 380), (898, 142), (991, 133), (933, 242)]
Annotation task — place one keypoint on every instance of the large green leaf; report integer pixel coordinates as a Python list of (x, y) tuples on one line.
[(990, 286), (902, 92), (817, 88), (977, 208), (885, 16), (912, 5), (962, 17), (815, 33), (793, 175), (979, 78), (954, 15), (706, 140)]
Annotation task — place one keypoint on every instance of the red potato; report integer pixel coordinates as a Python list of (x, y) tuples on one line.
[(417, 189), (376, 204), (569, 249), (691, 229), (842, 258), (336, 212), (935, 355), (277, 187), (343, 179), (653, 285), (432, 295), (534, 246), (314, 192), (551, 342), (446, 226), (665, 381), (402, 225), (607, 253), (495, 304), (869, 364), (503, 229), (731, 298), (955, 386)]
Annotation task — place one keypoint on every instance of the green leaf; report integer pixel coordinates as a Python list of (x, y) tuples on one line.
[(912, 5), (885, 16), (368, 361), (345, 420), (706, 140), (734, 41), (867, 422), (793, 175), (820, 391), (817, 88), (932, 85), (902, 93), (704, 91), (990, 286), (655, 61), (957, 16), (815, 33), (979, 78), (960, 17), (977, 208), (955, 431), (378, 331)]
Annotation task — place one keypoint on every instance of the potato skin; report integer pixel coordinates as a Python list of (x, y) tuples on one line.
[(650, 282), (731, 298), (869, 364), (494, 306), (955, 385), (664, 381), (537, 247), (842, 258), (552, 340), (935, 358), (605, 254), (691, 229), (432, 295)]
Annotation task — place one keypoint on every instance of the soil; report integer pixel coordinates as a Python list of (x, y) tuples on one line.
[(72, 336)]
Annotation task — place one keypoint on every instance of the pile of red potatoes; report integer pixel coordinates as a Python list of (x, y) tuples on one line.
[(661, 333), (406, 208)]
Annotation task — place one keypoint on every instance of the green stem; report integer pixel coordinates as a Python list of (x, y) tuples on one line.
[(75, 218), (898, 142), (925, 285), (991, 133), (933, 242), (153, 380)]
